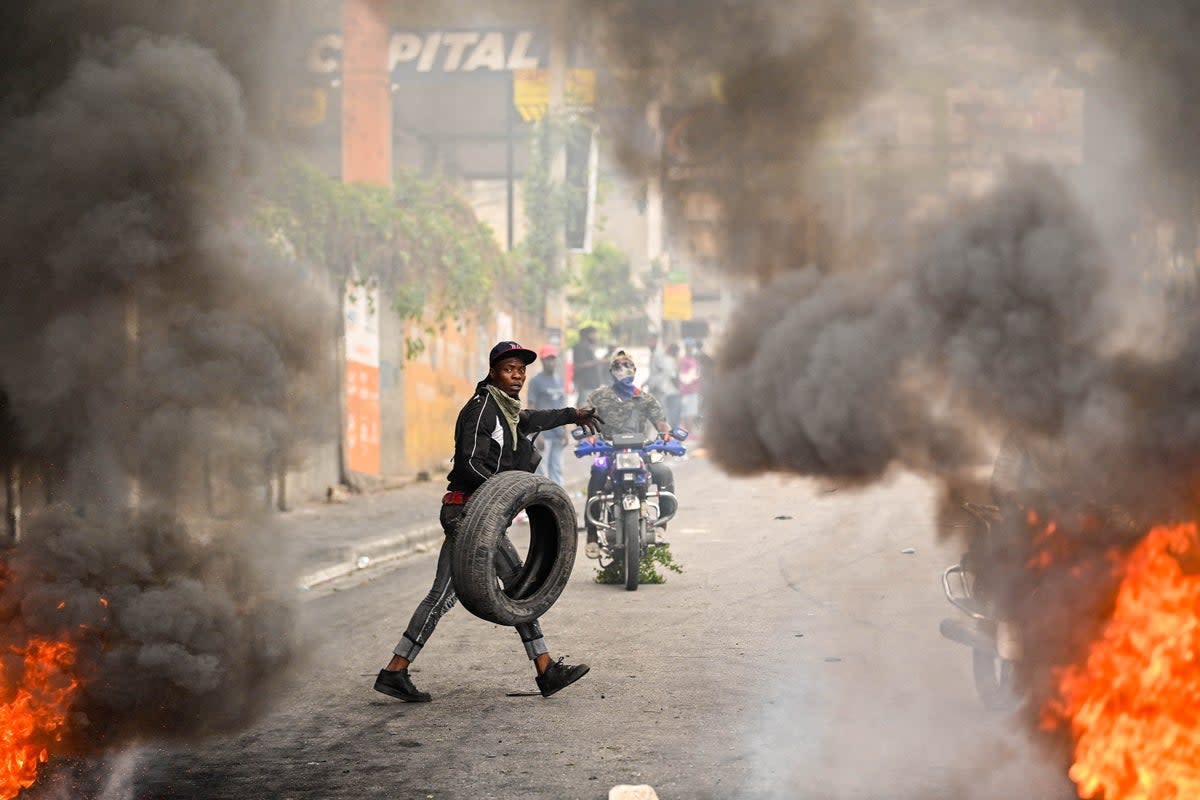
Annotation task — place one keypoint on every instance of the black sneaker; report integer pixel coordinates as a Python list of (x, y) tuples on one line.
[(399, 685), (559, 676)]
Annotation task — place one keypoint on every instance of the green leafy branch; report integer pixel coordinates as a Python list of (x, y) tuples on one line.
[(545, 203), (604, 291), (656, 555), (419, 239)]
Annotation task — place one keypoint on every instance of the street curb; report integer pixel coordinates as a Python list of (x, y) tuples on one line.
[(383, 549), (374, 552)]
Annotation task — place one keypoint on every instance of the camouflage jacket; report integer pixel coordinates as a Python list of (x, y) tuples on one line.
[(634, 415)]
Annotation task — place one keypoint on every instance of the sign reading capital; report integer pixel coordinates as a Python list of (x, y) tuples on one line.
[(438, 52)]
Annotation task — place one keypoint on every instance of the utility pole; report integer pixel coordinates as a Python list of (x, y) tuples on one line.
[(655, 230), (366, 158), (560, 34)]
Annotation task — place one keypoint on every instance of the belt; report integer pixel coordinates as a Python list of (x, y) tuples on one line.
[(455, 498)]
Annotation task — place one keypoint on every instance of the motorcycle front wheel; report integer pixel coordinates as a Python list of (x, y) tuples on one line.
[(631, 526), (994, 680)]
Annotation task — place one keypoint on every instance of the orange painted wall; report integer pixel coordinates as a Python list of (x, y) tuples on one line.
[(436, 384), (441, 379)]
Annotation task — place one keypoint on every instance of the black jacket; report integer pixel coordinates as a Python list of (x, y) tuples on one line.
[(483, 441)]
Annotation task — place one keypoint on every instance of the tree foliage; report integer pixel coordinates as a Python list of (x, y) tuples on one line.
[(419, 239), (603, 288), (545, 202)]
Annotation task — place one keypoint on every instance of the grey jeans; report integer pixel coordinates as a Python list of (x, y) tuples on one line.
[(441, 597)]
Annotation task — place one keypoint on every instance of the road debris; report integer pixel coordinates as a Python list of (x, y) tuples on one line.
[(628, 792)]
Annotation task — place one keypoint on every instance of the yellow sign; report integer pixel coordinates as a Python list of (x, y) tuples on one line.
[(531, 91), (307, 107), (677, 301)]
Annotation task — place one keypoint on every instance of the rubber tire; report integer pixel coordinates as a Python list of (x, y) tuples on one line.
[(552, 545), (631, 524), (997, 692)]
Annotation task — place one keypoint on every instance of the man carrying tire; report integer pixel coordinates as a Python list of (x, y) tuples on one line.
[(492, 435)]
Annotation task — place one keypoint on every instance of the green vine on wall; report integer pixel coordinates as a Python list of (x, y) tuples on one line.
[(604, 290), (419, 239), (545, 203)]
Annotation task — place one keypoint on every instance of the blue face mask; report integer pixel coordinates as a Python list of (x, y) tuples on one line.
[(624, 386)]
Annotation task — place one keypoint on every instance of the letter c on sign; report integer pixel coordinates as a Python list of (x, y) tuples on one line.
[(325, 55)]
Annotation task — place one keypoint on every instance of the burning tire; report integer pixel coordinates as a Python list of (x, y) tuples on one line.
[(547, 566)]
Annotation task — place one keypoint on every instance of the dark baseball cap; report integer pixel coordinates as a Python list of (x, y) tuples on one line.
[(511, 350)]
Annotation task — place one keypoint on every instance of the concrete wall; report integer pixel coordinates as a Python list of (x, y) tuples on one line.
[(392, 394)]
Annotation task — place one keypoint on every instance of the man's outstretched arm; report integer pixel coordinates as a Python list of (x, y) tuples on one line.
[(545, 419)]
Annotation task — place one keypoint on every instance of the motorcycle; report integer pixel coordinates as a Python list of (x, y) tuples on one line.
[(627, 513), (998, 582), (994, 639)]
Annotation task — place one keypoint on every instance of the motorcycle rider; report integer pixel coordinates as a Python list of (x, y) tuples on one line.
[(492, 435), (624, 408)]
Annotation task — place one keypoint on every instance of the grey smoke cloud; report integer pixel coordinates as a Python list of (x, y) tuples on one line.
[(920, 344), (1018, 308), (843, 375), (1152, 56), (149, 342)]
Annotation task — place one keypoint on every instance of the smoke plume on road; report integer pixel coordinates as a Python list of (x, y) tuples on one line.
[(1031, 291), (153, 357)]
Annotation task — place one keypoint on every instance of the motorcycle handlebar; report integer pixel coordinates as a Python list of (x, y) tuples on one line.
[(601, 448)]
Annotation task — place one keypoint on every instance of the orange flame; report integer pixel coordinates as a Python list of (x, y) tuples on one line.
[(1048, 547), (35, 716), (1132, 707)]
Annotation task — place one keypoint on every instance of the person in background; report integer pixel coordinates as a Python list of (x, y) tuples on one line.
[(546, 392), (589, 366), (689, 386), (706, 376), (663, 381)]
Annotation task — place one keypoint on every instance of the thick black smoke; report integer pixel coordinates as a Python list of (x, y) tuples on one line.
[(761, 82), (1014, 312), (846, 375), (153, 355), (922, 345), (1152, 53)]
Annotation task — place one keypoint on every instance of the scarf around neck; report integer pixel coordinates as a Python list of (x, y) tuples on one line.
[(510, 407), (625, 388)]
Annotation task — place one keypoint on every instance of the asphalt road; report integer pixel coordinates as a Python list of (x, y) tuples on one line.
[(797, 656)]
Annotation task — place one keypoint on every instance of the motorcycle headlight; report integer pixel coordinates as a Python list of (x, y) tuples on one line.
[(629, 461)]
